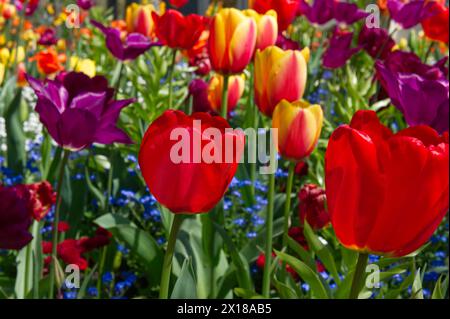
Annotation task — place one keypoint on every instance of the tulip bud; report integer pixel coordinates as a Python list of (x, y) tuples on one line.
[(232, 41), (312, 206), (21, 75), (139, 19), (279, 75), (236, 86), (267, 27), (299, 125)]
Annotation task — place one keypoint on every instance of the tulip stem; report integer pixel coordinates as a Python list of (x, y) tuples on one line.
[(358, 276), (65, 158), (171, 72), (167, 264), (224, 100), (287, 203), (251, 107), (269, 231)]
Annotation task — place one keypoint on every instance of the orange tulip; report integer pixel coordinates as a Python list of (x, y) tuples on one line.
[(48, 62), (299, 125), (267, 27), (236, 86), (279, 75), (232, 41)]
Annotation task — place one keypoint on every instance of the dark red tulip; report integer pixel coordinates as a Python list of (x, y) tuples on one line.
[(376, 42), (15, 217), (296, 233), (387, 193), (174, 169), (312, 206), (178, 31), (102, 238)]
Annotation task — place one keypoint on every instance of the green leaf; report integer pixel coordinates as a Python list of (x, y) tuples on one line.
[(247, 294), (15, 136), (438, 292), (301, 252), (417, 291), (189, 244), (140, 242), (186, 285), (86, 281), (305, 273), (242, 269), (94, 190), (322, 252), (284, 290)]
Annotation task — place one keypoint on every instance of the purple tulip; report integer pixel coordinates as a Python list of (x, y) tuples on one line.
[(376, 42), (339, 50), (48, 37), (199, 91), (134, 45), (30, 8), (407, 14), (323, 11), (348, 13), (79, 110), (85, 4), (320, 12), (286, 43), (15, 217), (419, 91)]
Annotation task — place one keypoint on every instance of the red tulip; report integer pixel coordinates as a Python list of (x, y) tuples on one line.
[(286, 10), (178, 3), (176, 170), (387, 193), (436, 24), (312, 206), (42, 198), (178, 31)]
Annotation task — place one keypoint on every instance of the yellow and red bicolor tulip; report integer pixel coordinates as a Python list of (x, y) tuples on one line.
[(279, 75), (232, 41), (236, 86), (139, 19), (267, 28), (299, 125)]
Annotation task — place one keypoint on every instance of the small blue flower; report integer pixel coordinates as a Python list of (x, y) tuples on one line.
[(70, 295), (239, 222), (107, 278), (92, 292), (251, 234)]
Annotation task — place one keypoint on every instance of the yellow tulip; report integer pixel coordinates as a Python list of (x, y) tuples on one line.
[(279, 75), (86, 66), (267, 27), (232, 41), (299, 125), (138, 18), (236, 86)]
